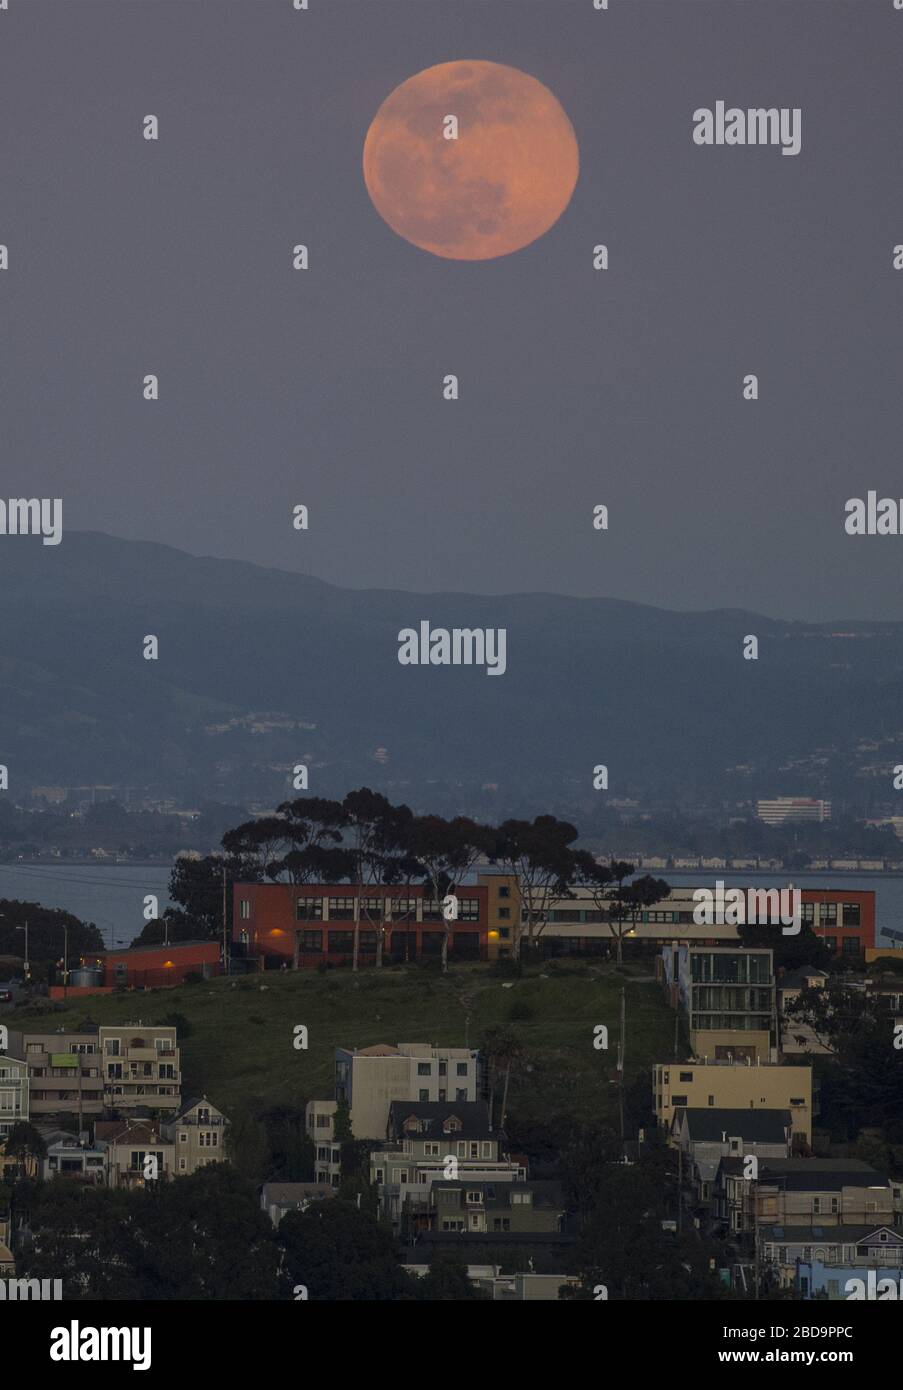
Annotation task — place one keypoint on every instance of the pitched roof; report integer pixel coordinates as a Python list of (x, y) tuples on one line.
[(285, 1193), (432, 1115), (715, 1126), (831, 1235), (820, 1174), (128, 1132)]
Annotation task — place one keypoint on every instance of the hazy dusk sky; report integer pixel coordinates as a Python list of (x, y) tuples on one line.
[(578, 387)]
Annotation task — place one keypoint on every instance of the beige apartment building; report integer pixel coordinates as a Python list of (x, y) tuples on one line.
[(368, 1079), (64, 1075), (733, 1086), (141, 1067)]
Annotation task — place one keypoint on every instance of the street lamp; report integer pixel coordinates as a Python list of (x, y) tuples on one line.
[(26, 965)]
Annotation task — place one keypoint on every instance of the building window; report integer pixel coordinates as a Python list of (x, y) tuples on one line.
[(341, 909), (424, 1095), (309, 910), (504, 912), (341, 942), (828, 914), (468, 909), (850, 946), (460, 1095), (461, 1069), (678, 1100), (244, 909), (505, 892), (424, 1069), (311, 941), (686, 1076), (852, 915)]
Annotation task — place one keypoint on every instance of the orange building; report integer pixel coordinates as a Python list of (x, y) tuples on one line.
[(306, 924), (140, 967)]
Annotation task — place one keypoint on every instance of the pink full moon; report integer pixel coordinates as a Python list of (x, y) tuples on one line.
[(503, 182)]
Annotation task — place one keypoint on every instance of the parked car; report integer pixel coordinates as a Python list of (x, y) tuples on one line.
[(6, 996)]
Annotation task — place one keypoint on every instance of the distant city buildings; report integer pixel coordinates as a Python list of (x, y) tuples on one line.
[(792, 808)]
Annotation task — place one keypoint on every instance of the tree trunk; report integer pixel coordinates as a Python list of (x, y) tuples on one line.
[(357, 934), (445, 951)]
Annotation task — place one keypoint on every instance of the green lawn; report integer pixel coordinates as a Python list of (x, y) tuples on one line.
[(240, 1050)]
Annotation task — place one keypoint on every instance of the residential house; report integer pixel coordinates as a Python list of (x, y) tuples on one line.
[(840, 1251), (71, 1156), (467, 1205), (708, 1136), (815, 1279), (319, 1120), (823, 1191), (14, 1095), (429, 1141), (368, 1079), (279, 1198), (198, 1133), (130, 1143)]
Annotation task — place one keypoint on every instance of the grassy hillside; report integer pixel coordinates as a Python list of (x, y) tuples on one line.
[(240, 1049)]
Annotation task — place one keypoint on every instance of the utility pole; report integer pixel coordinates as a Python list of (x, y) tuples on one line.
[(680, 1187), (225, 929), (622, 1054), (66, 960)]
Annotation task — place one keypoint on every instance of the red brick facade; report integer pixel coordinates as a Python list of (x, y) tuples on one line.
[(313, 923)]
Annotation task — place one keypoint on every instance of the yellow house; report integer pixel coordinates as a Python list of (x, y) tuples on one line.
[(733, 1086)]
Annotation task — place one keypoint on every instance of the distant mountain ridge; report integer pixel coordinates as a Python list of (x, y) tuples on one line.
[(664, 699)]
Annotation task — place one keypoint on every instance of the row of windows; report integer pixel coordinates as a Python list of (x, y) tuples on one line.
[(342, 909), (426, 1068), (466, 1149), (829, 914), (342, 942)]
